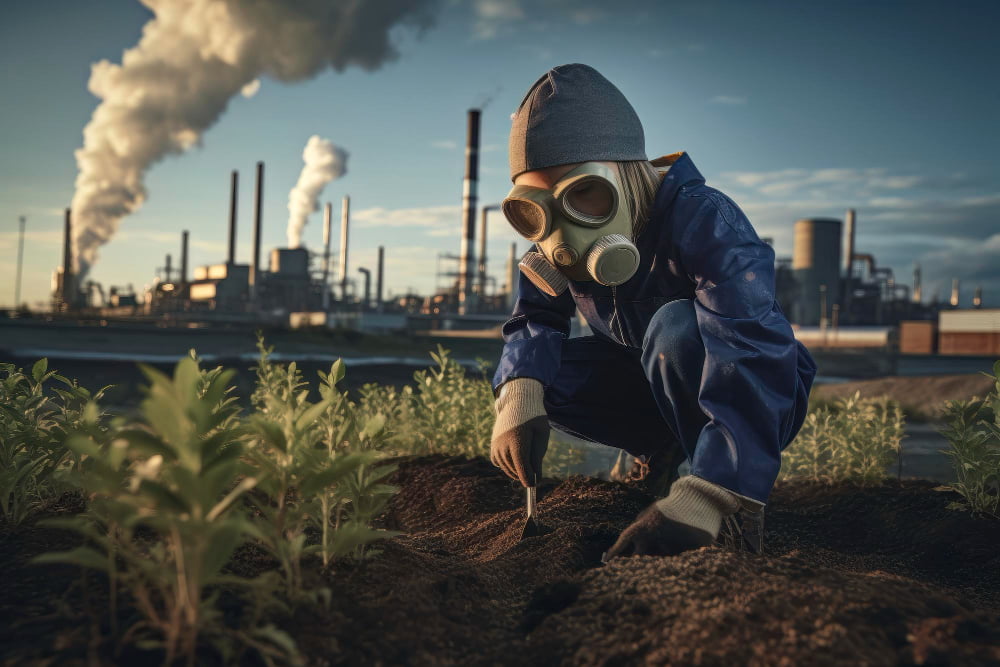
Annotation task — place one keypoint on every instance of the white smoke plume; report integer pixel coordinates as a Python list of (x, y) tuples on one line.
[(193, 57), (324, 163)]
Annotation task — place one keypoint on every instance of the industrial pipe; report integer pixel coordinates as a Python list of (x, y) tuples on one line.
[(327, 234), (368, 287), (378, 278), (67, 277), (469, 194), (482, 249), (184, 257), (258, 203), (345, 217), (20, 262), (234, 186)]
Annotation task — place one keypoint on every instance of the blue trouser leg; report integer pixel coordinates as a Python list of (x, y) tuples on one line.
[(641, 401), (673, 356)]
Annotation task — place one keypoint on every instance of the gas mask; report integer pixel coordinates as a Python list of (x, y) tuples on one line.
[(581, 227)]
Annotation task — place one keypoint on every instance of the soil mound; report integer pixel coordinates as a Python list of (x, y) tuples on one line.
[(884, 575)]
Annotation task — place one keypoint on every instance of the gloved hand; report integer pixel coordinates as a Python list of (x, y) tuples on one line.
[(521, 432), (686, 519)]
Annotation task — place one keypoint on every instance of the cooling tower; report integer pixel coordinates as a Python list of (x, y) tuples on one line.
[(816, 262)]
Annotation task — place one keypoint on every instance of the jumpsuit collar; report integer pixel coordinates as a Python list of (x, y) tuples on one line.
[(682, 171)]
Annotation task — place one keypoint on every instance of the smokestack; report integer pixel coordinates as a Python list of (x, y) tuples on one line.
[(469, 192), (513, 273), (378, 278), (954, 292), (368, 286), (67, 276), (327, 237), (977, 298), (235, 184), (482, 249), (168, 268), (258, 204), (917, 294), (345, 216), (850, 222)]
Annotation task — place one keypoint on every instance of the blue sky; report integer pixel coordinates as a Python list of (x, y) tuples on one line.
[(793, 109)]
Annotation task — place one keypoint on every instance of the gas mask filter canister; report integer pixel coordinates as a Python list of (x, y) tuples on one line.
[(581, 227)]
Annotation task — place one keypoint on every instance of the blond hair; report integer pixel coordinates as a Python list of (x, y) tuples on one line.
[(639, 181)]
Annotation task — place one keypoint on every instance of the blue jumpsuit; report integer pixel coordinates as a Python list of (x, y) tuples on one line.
[(693, 348)]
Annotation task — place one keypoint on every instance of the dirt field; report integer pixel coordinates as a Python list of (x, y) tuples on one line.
[(852, 576), (921, 397)]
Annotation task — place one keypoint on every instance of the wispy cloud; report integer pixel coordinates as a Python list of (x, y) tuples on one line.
[(445, 144), (729, 100)]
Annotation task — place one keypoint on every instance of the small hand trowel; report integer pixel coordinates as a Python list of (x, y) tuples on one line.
[(531, 527)]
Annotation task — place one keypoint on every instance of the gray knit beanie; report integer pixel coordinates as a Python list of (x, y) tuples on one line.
[(573, 114)]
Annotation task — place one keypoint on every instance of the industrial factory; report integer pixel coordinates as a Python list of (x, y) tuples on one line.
[(835, 295)]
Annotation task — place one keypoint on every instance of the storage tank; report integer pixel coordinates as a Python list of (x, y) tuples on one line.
[(815, 263)]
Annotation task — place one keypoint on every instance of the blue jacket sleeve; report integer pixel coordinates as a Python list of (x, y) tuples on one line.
[(533, 335), (756, 378)]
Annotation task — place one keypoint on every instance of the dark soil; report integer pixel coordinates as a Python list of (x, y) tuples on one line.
[(884, 575)]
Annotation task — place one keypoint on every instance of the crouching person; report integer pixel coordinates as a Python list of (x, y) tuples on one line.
[(690, 358)]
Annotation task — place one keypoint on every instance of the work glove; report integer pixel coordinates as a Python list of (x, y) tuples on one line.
[(521, 432), (686, 519)]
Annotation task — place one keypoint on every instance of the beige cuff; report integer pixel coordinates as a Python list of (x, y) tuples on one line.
[(699, 503), (520, 401)]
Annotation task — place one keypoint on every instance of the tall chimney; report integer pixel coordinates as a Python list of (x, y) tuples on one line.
[(848, 291), (482, 249), (235, 184), (466, 269), (67, 276), (850, 223), (168, 269), (513, 274), (954, 292), (368, 286), (345, 217), (185, 239), (327, 237), (378, 278), (258, 203), (917, 294)]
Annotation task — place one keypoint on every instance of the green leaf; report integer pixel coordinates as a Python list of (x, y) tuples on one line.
[(38, 370), (309, 417), (82, 556)]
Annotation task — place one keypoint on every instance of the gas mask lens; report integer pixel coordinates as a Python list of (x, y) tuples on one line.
[(588, 200), (529, 218)]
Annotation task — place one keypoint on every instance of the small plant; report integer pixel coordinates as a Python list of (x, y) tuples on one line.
[(972, 428), (448, 411), (854, 439), (33, 424), (163, 516), (316, 470)]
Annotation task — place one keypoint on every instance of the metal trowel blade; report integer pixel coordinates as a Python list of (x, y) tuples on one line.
[(531, 527)]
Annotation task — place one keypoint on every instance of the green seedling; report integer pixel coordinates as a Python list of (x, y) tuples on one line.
[(164, 513), (853, 439), (972, 428), (315, 468), (34, 421)]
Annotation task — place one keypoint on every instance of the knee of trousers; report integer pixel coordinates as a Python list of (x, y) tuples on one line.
[(672, 335)]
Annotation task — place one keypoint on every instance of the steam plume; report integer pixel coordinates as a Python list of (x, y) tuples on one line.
[(324, 163), (193, 57)]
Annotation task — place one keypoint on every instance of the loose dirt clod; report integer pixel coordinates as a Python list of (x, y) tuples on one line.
[(885, 575)]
